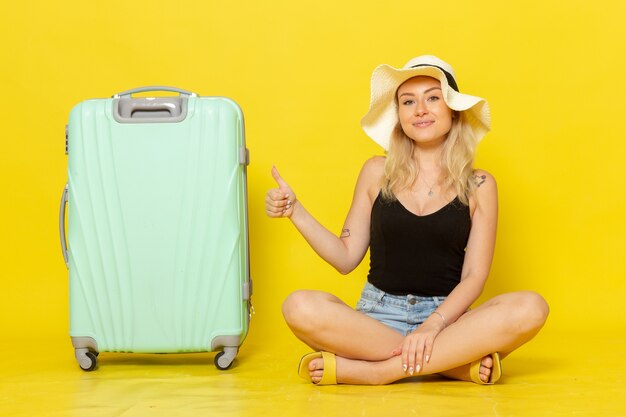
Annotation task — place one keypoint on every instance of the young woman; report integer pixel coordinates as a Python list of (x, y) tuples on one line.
[(429, 218)]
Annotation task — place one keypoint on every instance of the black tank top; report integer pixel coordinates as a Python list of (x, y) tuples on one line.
[(419, 255)]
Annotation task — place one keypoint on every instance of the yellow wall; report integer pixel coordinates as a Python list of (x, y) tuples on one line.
[(552, 71)]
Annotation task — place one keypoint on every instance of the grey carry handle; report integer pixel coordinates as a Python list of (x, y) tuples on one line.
[(183, 93), (127, 109), (62, 225)]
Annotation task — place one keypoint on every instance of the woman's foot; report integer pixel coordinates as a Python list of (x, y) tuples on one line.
[(359, 372), (327, 376), (462, 373)]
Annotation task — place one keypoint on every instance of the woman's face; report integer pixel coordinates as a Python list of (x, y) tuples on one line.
[(423, 113)]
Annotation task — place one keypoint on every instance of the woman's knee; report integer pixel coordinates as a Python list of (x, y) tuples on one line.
[(532, 310), (299, 306)]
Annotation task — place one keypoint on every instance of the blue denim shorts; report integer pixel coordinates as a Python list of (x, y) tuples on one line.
[(403, 313)]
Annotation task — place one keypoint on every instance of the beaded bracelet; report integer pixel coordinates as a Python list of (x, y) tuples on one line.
[(442, 318)]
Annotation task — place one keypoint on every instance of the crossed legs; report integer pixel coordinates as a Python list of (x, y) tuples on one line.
[(363, 345)]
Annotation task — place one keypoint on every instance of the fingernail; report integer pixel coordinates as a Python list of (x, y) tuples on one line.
[(288, 202), (427, 358), (419, 367), (404, 368), (286, 195), (411, 370)]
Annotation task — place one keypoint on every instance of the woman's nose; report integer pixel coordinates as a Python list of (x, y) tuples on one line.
[(420, 109)]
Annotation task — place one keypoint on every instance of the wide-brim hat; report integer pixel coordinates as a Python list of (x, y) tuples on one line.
[(382, 116)]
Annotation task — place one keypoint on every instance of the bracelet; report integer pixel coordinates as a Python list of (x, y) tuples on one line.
[(442, 318)]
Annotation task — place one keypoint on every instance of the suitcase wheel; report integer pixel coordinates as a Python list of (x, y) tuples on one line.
[(224, 360), (86, 359)]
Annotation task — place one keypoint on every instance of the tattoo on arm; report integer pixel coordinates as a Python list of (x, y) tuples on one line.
[(345, 233), (480, 180)]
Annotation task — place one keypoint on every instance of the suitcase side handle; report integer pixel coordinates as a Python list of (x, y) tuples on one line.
[(62, 225), (182, 92)]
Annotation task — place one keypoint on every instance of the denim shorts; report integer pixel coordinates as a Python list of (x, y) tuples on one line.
[(403, 313)]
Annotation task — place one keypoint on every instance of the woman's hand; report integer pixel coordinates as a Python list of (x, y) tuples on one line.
[(279, 202), (417, 347)]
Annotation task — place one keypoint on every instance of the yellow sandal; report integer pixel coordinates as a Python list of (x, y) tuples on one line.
[(329, 377), (496, 370)]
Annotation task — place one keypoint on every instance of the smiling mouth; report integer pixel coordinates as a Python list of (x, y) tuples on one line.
[(423, 124)]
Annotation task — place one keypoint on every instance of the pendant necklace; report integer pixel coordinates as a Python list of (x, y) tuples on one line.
[(430, 187)]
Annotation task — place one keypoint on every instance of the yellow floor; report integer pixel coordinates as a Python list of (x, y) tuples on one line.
[(555, 375)]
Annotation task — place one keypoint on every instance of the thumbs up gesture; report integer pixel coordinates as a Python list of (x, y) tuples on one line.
[(279, 202)]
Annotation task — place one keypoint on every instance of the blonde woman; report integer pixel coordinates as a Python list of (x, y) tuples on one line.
[(429, 218)]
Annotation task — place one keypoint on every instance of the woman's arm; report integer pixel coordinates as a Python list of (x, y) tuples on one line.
[(345, 252), (479, 251)]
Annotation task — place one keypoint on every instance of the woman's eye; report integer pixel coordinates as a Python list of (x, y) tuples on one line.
[(433, 98), (407, 102)]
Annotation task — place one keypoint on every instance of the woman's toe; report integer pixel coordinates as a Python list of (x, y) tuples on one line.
[(487, 361), (485, 373), (316, 364), (316, 370), (317, 373)]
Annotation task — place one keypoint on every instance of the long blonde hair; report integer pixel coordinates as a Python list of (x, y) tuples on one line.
[(457, 161)]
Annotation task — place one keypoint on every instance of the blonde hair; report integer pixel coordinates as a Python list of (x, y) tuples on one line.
[(457, 161)]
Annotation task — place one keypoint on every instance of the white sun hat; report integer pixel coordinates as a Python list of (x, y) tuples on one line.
[(382, 116)]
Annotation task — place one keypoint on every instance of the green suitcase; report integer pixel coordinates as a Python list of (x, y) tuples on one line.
[(157, 236)]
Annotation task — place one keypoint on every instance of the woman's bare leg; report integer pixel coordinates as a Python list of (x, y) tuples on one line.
[(363, 345), (324, 322), (526, 304)]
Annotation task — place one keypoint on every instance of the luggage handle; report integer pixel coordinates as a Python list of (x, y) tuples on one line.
[(152, 108), (62, 225), (182, 92)]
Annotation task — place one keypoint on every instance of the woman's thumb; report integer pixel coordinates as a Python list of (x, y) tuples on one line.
[(279, 180)]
